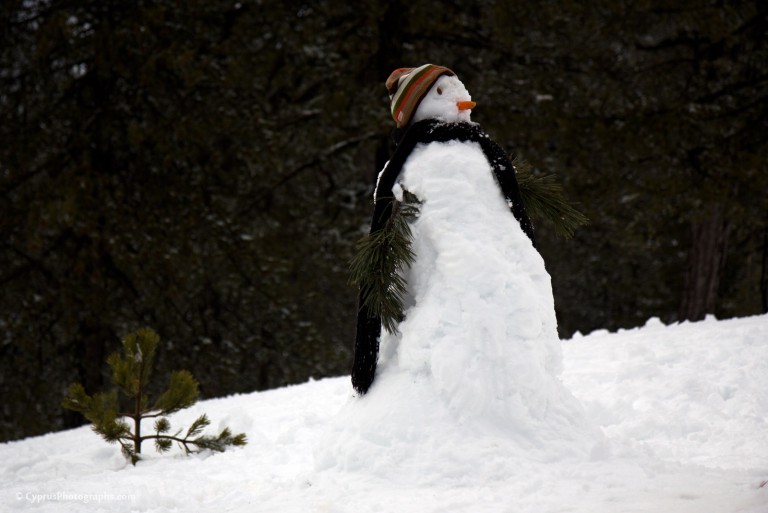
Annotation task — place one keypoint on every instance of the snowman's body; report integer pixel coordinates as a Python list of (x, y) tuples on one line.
[(479, 321), (474, 366)]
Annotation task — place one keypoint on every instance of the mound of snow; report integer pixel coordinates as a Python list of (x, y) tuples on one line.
[(694, 392)]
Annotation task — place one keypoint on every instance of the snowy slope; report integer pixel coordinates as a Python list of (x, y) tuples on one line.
[(684, 410)]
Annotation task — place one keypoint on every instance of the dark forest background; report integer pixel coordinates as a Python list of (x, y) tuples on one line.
[(205, 168)]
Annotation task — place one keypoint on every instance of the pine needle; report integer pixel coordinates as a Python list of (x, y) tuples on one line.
[(382, 257), (543, 199)]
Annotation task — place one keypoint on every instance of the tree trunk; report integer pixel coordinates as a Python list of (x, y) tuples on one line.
[(764, 274), (706, 257)]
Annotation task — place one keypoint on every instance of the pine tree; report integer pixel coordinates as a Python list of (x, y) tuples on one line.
[(131, 374)]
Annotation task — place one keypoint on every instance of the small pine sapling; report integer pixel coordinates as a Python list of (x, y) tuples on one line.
[(131, 372)]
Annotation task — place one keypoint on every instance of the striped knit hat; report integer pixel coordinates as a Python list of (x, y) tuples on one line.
[(408, 86)]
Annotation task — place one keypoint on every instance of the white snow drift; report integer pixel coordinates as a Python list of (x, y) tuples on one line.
[(684, 409)]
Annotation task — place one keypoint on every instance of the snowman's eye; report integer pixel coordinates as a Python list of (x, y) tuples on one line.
[(439, 90)]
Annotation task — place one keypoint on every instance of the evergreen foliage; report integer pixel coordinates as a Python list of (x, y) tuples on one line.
[(543, 199), (381, 258), (131, 372)]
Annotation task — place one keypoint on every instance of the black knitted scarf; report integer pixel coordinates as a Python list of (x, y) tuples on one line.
[(425, 132)]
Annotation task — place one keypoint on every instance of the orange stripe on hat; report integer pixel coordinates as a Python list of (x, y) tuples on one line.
[(416, 84)]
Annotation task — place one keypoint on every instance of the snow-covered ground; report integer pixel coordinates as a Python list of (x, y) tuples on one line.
[(684, 411)]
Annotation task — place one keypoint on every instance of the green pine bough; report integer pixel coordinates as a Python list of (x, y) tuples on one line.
[(131, 372), (543, 199), (382, 256)]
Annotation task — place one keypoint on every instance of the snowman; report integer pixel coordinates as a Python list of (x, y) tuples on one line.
[(445, 160), (475, 361)]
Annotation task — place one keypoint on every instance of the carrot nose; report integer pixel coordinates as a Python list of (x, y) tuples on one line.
[(465, 105)]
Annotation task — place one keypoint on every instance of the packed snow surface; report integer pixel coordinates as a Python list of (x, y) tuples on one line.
[(684, 409)]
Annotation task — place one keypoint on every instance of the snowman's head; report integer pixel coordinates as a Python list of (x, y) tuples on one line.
[(448, 100), (428, 92)]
